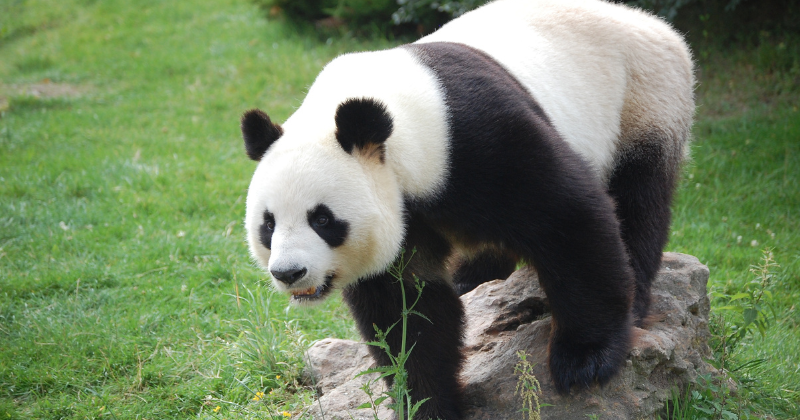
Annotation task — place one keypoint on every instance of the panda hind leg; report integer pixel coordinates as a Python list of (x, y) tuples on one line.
[(642, 186), (486, 266)]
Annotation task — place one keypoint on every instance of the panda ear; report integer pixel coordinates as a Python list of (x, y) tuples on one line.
[(259, 133), (363, 124)]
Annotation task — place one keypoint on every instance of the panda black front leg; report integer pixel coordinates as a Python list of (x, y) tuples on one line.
[(583, 267), (435, 361)]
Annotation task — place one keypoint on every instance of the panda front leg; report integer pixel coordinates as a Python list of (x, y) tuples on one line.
[(434, 364), (572, 238)]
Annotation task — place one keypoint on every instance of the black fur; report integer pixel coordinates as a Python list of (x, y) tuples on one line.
[(515, 183), (486, 266), (361, 122), (259, 132), (436, 359), (333, 231), (265, 231), (642, 185)]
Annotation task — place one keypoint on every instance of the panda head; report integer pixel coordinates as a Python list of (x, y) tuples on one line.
[(323, 207)]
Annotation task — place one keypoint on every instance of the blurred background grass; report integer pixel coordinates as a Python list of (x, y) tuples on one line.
[(126, 290)]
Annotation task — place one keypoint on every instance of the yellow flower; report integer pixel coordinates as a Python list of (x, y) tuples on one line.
[(277, 376), (286, 414), (217, 408), (259, 395)]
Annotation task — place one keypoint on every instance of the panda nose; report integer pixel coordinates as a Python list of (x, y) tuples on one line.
[(289, 276)]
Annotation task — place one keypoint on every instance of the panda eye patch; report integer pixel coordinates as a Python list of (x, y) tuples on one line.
[(332, 230), (266, 229)]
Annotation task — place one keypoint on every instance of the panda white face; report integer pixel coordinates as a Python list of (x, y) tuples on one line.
[(319, 218)]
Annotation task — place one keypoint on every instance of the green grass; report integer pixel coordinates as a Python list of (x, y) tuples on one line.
[(121, 244), (121, 241), (740, 195)]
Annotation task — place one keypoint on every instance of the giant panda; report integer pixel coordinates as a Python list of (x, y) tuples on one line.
[(544, 132)]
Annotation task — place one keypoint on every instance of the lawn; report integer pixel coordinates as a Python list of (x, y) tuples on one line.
[(126, 289)]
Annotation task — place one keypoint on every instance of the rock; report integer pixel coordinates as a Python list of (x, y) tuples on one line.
[(331, 366), (504, 317)]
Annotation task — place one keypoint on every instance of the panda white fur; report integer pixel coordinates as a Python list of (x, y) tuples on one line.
[(549, 132)]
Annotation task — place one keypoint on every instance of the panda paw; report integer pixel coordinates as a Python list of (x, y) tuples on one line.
[(579, 364)]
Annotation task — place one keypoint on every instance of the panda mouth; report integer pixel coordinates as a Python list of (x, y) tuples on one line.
[(314, 292)]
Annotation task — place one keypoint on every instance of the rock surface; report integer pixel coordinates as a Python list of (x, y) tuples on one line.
[(506, 316)]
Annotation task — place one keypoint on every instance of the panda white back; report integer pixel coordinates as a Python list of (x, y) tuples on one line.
[(602, 72)]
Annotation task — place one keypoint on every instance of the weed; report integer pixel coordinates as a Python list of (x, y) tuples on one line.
[(712, 397), (399, 393), (528, 387), (751, 309)]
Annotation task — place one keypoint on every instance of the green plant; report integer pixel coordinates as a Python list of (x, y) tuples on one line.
[(528, 387), (697, 402), (712, 397), (752, 309), (376, 16), (361, 15), (399, 392), (430, 14)]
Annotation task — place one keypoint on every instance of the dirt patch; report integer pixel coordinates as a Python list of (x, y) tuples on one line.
[(44, 89)]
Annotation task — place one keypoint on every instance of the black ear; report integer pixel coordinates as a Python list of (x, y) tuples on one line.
[(363, 124), (259, 133)]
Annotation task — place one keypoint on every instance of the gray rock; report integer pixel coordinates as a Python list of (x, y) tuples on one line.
[(505, 316), (331, 366)]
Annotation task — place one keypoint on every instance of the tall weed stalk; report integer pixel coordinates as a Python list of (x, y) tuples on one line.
[(399, 393)]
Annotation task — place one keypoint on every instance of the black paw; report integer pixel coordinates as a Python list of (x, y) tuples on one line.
[(582, 364)]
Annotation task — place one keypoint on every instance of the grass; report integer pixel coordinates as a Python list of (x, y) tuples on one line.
[(121, 242), (126, 290), (740, 195)]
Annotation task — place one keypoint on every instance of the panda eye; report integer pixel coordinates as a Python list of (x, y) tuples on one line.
[(269, 221), (322, 220)]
